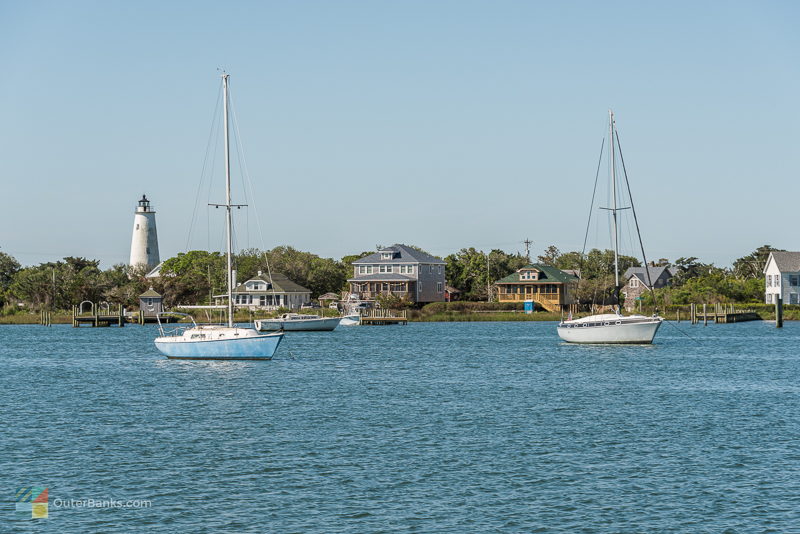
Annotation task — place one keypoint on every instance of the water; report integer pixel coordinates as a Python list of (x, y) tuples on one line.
[(438, 427)]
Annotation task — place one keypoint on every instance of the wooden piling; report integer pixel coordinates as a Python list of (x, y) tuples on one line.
[(705, 315), (778, 311)]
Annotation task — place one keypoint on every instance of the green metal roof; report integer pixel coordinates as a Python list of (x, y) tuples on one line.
[(150, 294), (549, 275)]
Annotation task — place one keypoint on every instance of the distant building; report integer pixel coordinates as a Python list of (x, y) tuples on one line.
[(782, 272), (551, 288), (151, 302), (451, 294), (636, 282), (401, 271), (261, 291), (144, 243)]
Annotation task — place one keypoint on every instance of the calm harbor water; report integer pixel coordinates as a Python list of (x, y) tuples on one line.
[(432, 427)]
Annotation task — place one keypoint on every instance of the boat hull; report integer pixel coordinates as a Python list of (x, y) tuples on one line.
[(350, 320), (304, 325), (610, 332), (246, 348)]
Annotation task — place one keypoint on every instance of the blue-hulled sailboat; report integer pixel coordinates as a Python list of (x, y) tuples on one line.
[(220, 342)]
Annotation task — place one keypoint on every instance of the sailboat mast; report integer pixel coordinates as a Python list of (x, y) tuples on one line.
[(228, 225), (614, 194)]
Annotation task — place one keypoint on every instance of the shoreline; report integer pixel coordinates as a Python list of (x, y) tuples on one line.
[(414, 317)]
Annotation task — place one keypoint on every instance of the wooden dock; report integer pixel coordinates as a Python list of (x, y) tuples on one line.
[(384, 317), (149, 318), (722, 314), (97, 316)]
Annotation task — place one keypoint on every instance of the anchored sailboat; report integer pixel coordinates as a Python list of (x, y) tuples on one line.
[(612, 327), (220, 342)]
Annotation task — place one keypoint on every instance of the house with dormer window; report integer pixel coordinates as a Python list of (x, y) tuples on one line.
[(401, 271), (263, 291), (638, 281), (782, 277), (551, 288)]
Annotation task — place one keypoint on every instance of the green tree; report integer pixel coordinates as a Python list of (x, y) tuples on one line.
[(471, 271), (9, 267), (550, 256), (752, 265)]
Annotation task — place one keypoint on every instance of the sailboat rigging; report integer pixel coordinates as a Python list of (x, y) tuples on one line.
[(613, 328), (220, 342)]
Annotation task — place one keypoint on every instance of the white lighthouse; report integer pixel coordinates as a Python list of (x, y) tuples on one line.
[(144, 244)]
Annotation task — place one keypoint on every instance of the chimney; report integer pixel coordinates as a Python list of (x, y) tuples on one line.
[(259, 273)]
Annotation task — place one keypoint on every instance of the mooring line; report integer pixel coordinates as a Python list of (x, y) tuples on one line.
[(681, 331)]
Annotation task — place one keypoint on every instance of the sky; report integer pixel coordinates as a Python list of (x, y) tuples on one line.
[(442, 124)]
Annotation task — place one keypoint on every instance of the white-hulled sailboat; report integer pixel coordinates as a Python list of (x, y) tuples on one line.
[(220, 342), (612, 328)]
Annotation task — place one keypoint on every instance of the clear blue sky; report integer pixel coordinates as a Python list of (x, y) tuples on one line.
[(444, 124)]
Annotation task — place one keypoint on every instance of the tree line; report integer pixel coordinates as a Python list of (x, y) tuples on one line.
[(195, 277)]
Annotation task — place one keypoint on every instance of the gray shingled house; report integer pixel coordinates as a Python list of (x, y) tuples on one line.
[(401, 271), (636, 282)]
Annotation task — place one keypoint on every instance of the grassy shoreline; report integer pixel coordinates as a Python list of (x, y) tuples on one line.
[(413, 316)]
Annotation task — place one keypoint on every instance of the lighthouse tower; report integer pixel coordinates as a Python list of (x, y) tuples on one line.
[(144, 244)]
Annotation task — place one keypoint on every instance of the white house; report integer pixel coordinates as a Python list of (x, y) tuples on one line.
[(263, 291), (783, 277)]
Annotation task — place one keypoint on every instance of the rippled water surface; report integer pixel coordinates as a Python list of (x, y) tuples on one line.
[(437, 427)]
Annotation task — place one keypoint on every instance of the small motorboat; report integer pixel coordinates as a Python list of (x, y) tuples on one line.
[(294, 322), (353, 319)]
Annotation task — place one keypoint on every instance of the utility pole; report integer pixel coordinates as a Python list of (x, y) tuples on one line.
[(488, 281), (528, 244)]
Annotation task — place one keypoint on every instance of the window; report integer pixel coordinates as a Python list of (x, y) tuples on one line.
[(440, 272), (794, 280), (406, 269), (386, 256), (430, 269), (384, 268), (439, 287), (769, 281), (777, 280), (634, 282), (793, 298), (769, 298)]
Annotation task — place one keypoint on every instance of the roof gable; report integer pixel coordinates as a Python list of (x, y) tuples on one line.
[(400, 253), (785, 261), (547, 274), (280, 284), (655, 273)]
